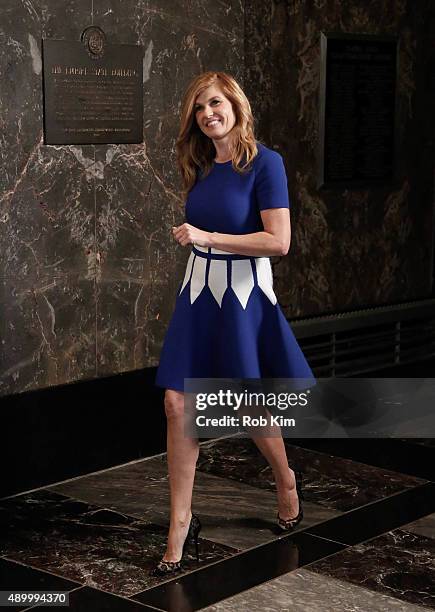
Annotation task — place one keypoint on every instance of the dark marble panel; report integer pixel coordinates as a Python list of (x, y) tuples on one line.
[(302, 591), (380, 516), (352, 247), (346, 484), (47, 234), (429, 442), (89, 544), (48, 335), (48, 217), (139, 265), (239, 573), (329, 481), (66, 22), (391, 454), (17, 577), (231, 513), (138, 195), (259, 76), (46, 192), (138, 202), (399, 564), (86, 599), (180, 40), (103, 212), (424, 526), (130, 315)]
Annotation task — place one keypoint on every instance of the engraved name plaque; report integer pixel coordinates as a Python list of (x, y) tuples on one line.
[(357, 122), (93, 91)]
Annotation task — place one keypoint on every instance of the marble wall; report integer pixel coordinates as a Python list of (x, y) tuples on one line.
[(350, 247), (89, 269)]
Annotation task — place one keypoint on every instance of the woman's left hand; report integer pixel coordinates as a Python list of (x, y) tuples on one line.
[(186, 234)]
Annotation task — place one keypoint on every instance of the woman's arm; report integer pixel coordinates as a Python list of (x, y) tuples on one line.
[(274, 240)]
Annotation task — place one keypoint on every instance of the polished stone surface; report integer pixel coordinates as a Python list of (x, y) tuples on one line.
[(399, 564), (379, 517), (91, 545), (85, 229), (367, 558), (395, 455), (41, 313), (329, 481), (19, 577), (424, 526), (305, 591), (429, 442), (91, 224), (238, 573), (104, 531), (231, 512), (86, 599), (351, 247)]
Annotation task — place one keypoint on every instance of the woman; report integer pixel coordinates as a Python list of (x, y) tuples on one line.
[(227, 322)]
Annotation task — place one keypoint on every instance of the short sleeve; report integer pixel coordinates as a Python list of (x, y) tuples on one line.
[(271, 182)]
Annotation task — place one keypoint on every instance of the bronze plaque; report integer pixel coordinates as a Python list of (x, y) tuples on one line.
[(93, 92), (357, 109)]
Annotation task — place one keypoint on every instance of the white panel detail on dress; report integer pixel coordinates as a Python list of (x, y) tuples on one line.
[(242, 280), (188, 269), (217, 279), (265, 278), (197, 281)]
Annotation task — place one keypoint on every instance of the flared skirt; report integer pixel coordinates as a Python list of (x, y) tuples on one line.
[(227, 323)]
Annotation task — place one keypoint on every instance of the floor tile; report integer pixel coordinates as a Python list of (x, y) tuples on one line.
[(404, 456), (399, 564), (105, 531), (232, 513), (430, 442), (305, 591), (424, 526), (330, 481), (238, 573), (15, 576), (87, 599), (380, 516), (94, 546)]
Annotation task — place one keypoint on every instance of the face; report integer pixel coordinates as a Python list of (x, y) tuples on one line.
[(212, 104)]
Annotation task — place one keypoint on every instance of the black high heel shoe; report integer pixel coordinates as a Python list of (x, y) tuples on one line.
[(171, 567), (290, 524)]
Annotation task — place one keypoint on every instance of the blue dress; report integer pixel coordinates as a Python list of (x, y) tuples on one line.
[(227, 322)]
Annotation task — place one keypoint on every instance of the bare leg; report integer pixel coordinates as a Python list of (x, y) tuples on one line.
[(182, 455), (273, 450)]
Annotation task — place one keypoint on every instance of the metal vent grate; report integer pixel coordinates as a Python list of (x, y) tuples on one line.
[(353, 343)]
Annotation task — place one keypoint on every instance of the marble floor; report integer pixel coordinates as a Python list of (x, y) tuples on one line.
[(367, 541)]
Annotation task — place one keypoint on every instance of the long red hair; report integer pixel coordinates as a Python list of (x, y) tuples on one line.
[(194, 149)]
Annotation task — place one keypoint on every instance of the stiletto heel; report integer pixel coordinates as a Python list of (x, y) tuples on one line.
[(290, 524), (163, 568), (196, 528), (197, 551)]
